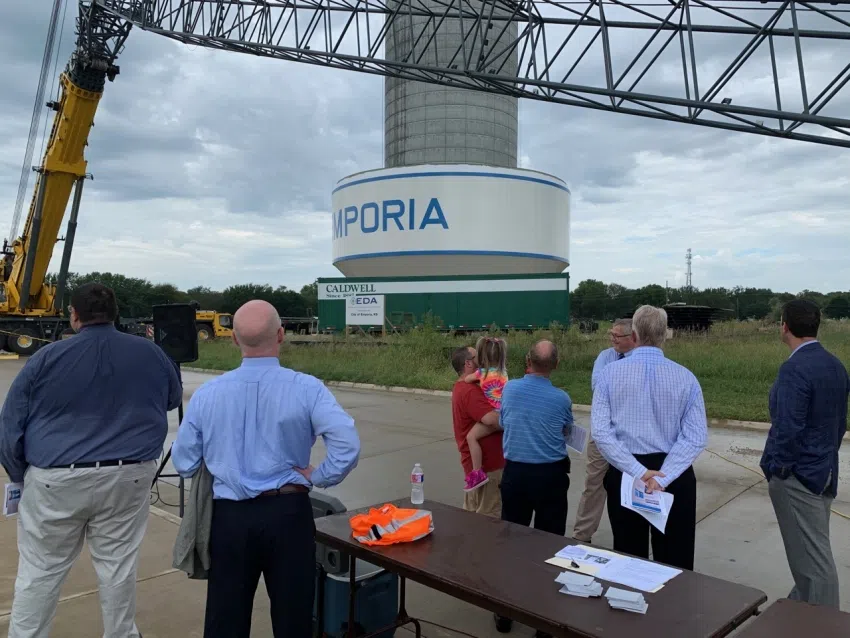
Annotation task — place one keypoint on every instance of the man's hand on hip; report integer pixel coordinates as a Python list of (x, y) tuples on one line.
[(306, 472)]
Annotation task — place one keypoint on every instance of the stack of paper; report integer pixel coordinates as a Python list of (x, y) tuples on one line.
[(578, 585), (572, 552), (626, 600)]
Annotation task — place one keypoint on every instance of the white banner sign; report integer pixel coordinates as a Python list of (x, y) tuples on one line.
[(340, 289), (364, 310)]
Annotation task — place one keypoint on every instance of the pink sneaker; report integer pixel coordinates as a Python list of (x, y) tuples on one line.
[(474, 480)]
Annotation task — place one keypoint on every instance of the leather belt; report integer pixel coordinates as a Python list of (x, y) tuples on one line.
[(92, 464), (285, 489)]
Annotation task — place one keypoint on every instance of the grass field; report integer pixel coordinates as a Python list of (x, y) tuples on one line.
[(735, 363)]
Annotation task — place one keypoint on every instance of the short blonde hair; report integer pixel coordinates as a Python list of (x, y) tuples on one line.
[(650, 325)]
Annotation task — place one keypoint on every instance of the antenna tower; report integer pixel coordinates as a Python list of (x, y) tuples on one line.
[(688, 282)]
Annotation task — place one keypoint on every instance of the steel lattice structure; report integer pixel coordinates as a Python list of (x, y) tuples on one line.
[(756, 67)]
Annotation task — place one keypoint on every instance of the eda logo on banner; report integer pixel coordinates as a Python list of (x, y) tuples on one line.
[(364, 310)]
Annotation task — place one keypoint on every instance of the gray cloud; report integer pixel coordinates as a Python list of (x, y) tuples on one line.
[(214, 168)]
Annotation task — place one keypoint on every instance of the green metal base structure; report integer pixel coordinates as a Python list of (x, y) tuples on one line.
[(464, 303)]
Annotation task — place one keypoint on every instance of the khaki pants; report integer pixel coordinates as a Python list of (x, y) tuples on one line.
[(592, 502), (487, 499), (60, 508)]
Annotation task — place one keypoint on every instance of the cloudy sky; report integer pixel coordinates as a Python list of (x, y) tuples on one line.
[(215, 168)]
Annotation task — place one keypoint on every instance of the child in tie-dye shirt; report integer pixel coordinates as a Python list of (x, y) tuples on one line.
[(492, 376)]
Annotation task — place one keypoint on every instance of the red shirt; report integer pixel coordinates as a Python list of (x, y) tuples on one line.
[(469, 405)]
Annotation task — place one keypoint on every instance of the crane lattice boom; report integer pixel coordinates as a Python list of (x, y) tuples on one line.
[(769, 67)]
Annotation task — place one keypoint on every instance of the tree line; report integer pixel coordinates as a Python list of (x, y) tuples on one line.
[(136, 297), (593, 299)]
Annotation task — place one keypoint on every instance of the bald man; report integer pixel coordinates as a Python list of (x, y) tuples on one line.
[(535, 416), (254, 428)]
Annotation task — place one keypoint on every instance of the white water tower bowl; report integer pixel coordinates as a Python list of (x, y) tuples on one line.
[(450, 219)]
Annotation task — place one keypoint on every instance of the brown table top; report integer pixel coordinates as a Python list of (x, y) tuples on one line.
[(790, 618), (501, 567)]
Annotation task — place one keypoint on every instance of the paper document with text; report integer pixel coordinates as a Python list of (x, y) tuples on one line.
[(654, 507), (638, 574), (13, 497), (577, 437), (589, 563)]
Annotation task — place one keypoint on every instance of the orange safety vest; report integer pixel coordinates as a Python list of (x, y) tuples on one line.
[(388, 525)]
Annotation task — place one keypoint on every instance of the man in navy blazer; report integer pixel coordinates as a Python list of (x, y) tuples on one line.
[(808, 413)]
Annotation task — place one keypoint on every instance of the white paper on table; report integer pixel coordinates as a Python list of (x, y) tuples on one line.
[(12, 498), (638, 574), (591, 591), (576, 437), (571, 578), (624, 595), (574, 552), (629, 485), (592, 562)]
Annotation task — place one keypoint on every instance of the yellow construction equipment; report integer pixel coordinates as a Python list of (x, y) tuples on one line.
[(211, 324)]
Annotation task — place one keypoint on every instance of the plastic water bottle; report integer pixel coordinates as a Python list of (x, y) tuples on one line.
[(417, 487)]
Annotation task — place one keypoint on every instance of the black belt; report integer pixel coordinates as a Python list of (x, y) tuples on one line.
[(74, 466), (290, 488)]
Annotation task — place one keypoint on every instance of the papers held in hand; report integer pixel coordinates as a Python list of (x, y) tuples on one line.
[(576, 437), (12, 499), (654, 507), (646, 501)]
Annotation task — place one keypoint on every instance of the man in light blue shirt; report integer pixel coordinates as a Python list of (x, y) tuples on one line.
[(254, 428), (592, 502), (534, 416), (648, 420)]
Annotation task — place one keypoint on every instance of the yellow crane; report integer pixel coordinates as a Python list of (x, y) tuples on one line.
[(31, 310)]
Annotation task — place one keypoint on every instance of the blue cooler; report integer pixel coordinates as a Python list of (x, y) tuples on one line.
[(377, 590), (376, 605)]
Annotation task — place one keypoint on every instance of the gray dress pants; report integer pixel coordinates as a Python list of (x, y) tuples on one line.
[(803, 519)]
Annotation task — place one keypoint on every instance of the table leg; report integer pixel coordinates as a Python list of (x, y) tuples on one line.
[(320, 603), (352, 595), (403, 617)]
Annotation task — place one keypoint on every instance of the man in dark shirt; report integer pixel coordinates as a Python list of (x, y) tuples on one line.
[(470, 406), (82, 427), (808, 414)]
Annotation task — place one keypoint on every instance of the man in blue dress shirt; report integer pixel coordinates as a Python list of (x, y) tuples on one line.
[(592, 502), (808, 413), (82, 427), (254, 428), (648, 420), (535, 416)]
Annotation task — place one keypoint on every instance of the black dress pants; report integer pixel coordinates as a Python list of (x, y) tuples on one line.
[(631, 531), (269, 535), (538, 490)]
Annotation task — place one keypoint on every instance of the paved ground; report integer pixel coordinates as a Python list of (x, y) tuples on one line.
[(737, 535)]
